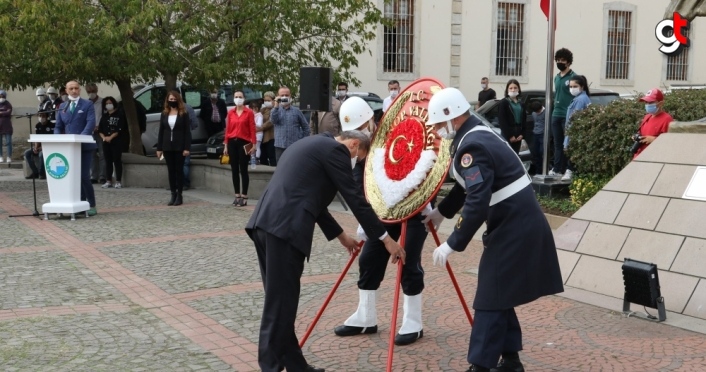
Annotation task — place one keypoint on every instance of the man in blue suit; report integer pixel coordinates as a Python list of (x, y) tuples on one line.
[(77, 116)]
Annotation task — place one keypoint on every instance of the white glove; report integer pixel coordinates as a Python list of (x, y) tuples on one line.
[(434, 216), (427, 209), (361, 233), (441, 254)]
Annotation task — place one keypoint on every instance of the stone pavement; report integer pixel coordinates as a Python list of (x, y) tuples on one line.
[(147, 287)]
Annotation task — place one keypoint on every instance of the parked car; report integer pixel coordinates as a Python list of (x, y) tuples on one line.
[(152, 96)]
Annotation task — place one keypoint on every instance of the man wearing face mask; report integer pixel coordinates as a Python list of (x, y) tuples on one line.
[(519, 262), (76, 116), (320, 165), (562, 98), (394, 88), (655, 122), (213, 113), (342, 92), (357, 114), (45, 103), (98, 170), (486, 93), (55, 102), (290, 124)]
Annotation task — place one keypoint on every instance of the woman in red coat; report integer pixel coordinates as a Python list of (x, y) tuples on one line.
[(240, 133)]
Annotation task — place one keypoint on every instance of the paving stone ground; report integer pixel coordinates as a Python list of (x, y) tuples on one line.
[(147, 287)]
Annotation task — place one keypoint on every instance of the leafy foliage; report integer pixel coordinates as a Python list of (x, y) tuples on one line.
[(557, 205), (584, 187)]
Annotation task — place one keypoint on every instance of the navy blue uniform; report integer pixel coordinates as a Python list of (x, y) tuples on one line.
[(519, 262)]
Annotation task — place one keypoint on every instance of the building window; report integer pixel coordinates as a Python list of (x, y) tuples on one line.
[(398, 49), (618, 45), (509, 39), (677, 65)]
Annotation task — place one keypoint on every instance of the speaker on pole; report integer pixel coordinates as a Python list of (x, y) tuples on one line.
[(315, 88)]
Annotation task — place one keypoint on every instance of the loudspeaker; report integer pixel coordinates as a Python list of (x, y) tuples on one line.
[(315, 88)]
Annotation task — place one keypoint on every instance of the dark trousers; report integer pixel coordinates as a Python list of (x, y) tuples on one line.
[(374, 258), (494, 332), (98, 165), (515, 146), (113, 155), (268, 157), (87, 192), (213, 128), (175, 169), (187, 171), (29, 158), (537, 152), (278, 153), (558, 137), (239, 164), (281, 267)]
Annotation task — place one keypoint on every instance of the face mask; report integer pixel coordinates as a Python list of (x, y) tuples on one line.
[(173, 104), (513, 94), (238, 101), (109, 107), (42, 120), (651, 108), (366, 131), (64, 97), (561, 66), (450, 132), (2, 100), (341, 93), (267, 104), (394, 93), (575, 91), (354, 159), (40, 98), (71, 98), (483, 86), (52, 96), (92, 95)]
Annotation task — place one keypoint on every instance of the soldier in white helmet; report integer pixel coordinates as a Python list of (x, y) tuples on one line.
[(56, 102), (357, 114), (519, 263), (45, 103)]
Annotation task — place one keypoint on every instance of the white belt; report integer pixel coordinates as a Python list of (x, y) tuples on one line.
[(507, 191)]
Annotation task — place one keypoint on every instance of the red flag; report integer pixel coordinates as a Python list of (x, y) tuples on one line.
[(544, 4)]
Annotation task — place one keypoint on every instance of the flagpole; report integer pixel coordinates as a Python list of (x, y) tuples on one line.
[(549, 83)]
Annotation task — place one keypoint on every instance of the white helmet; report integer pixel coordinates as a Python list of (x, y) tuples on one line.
[(447, 104), (354, 113), (41, 92), (52, 90)]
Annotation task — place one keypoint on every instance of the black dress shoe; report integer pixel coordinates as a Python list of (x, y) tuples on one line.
[(311, 368), (345, 330), (94, 181), (509, 365), (408, 338), (474, 368)]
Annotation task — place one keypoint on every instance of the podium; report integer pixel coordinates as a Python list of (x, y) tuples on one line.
[(62, 162)]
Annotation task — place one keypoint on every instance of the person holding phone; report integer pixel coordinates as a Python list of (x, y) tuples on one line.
[(239, 143)]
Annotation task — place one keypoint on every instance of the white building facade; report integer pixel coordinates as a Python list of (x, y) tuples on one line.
[(461, 41)]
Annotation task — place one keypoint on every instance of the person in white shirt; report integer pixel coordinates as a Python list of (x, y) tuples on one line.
[(394, 87), (255, 107)]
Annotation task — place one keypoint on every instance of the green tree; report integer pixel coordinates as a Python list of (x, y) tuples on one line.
[(203, 42)]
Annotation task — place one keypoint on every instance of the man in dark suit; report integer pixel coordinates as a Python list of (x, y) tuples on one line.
[(213, 113), (77, 116), (282, 227), (519, 262)]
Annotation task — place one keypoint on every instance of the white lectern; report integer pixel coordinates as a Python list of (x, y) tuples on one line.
[(62, 162)]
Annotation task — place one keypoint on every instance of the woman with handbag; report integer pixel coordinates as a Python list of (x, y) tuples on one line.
[(174, 142), (239, 143)]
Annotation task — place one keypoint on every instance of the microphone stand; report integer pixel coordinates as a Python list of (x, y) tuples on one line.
[(35, 213)]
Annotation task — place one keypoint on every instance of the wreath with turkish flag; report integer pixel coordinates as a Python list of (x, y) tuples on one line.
[(408, 161)]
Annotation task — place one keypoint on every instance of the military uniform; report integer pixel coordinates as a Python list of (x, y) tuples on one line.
[(519, 262)]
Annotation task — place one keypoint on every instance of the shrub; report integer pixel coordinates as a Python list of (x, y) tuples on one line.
[(584, 187), (600, 135)]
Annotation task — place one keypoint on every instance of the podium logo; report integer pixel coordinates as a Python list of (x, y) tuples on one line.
[(57, 166)]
